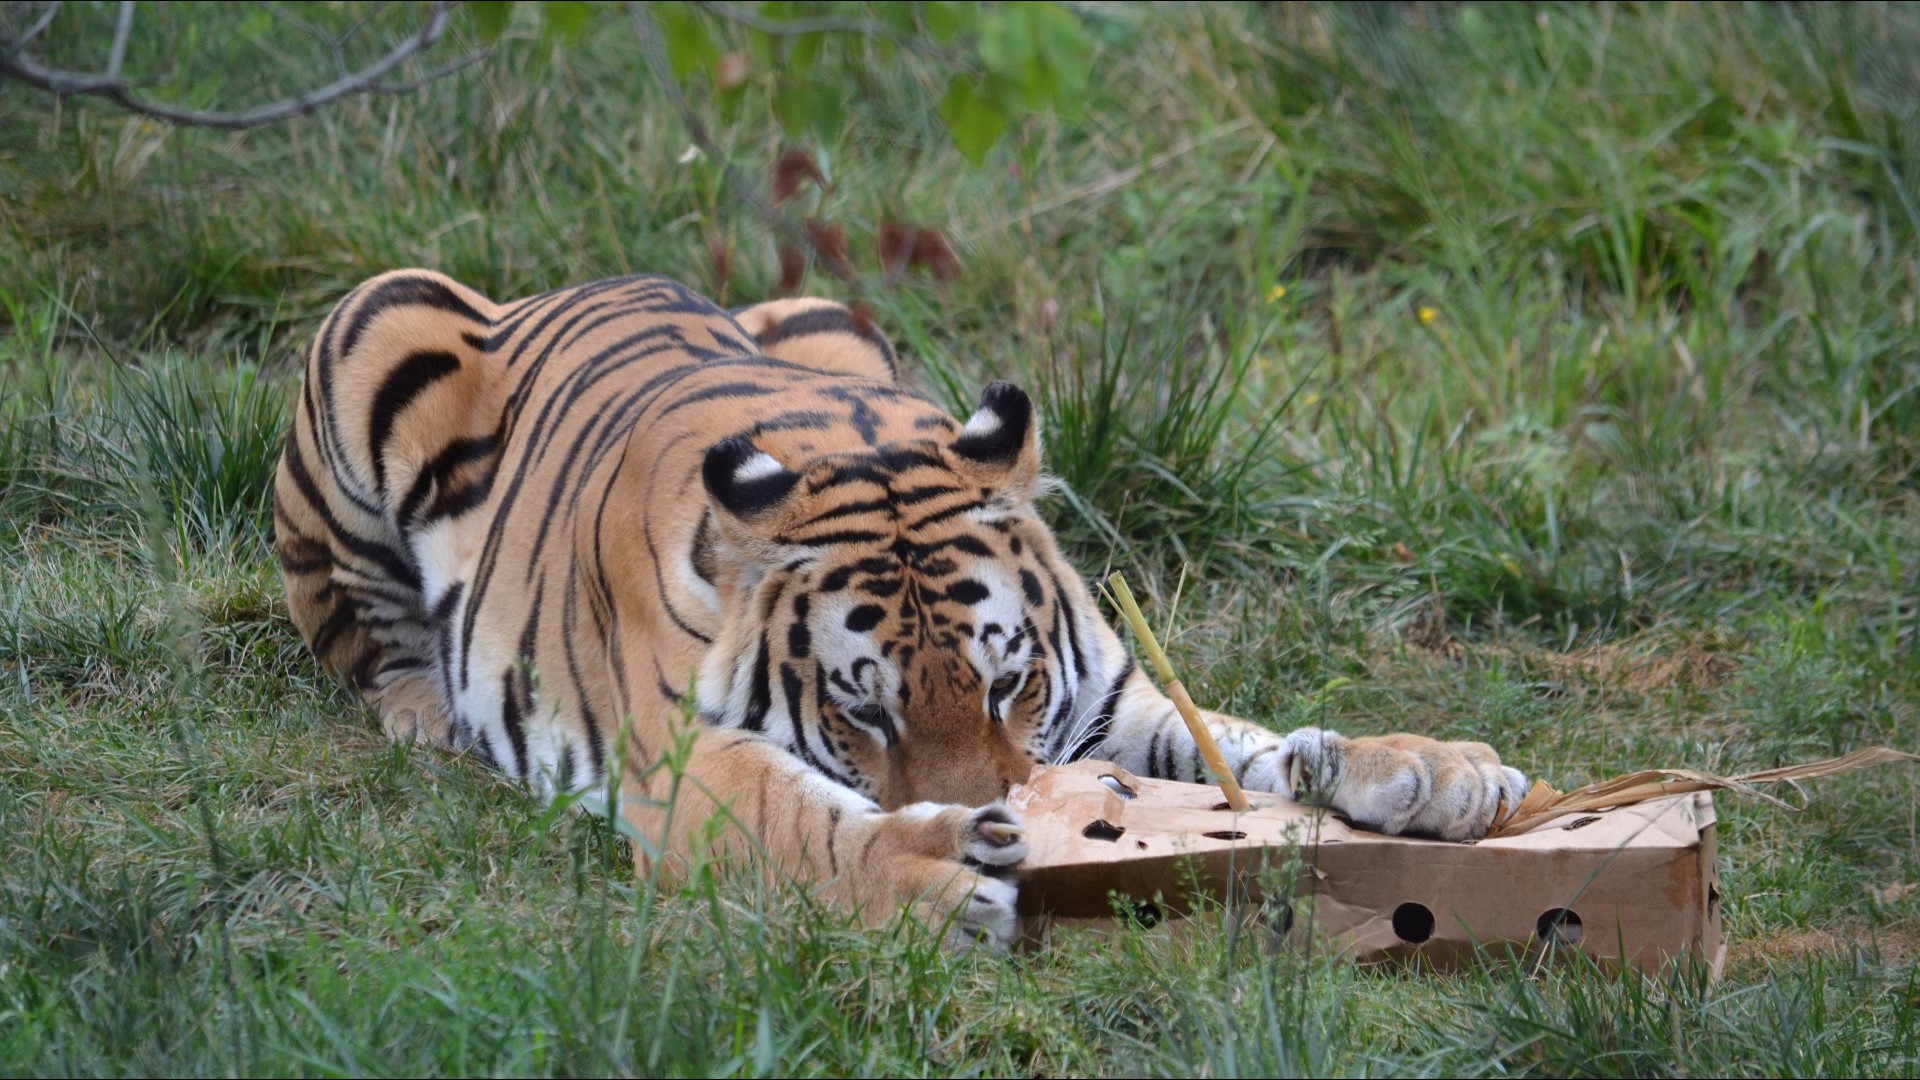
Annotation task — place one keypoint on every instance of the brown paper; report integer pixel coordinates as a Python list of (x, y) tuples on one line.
[(1635, 885)]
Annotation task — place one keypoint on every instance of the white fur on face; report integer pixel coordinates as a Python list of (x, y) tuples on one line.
[(865, 676), (1003, 643)]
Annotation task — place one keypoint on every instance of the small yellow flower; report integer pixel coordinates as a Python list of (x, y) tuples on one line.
[(1309, 398), (1427, 315), (1276, 294)]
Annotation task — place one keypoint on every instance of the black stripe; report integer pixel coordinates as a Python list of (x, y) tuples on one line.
[(796, 420), (825, 320), (732, 391), (302, 555), (327, 632), (1096, 733), (790, 686), (914, 495), (396, 292), (799, 638), (379, 554), (512, 720), (442, 619), (440, 470), (843, 536), (943, 514), (406, 381), (665, 597), (760, 693), (703, 557), (846, 509), (596, 745)]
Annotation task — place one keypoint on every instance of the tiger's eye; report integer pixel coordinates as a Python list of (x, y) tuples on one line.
[(868, 714), (1005, 684)]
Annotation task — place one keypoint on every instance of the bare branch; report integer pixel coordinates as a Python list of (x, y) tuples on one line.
[(280, 11), (353, 29), (122, 33), (31, 32), (434, 75), (15, 63)]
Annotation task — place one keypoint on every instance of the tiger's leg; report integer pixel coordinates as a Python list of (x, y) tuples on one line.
[(742, 795), (821, 334), (390, 453), (1398, 784)]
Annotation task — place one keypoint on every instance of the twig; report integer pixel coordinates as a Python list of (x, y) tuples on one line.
[(15, 63), (435, 75), (31, 32), (121, 34)]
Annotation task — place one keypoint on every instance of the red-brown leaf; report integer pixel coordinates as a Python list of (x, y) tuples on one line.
[(830, 247), (791, 168), (932, 254), (793, 269), (720, 255), (895, 243)]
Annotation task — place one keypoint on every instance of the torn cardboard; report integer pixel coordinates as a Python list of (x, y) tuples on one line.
[(1636, 885)]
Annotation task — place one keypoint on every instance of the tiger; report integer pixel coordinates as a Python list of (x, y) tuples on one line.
[(612, 526)]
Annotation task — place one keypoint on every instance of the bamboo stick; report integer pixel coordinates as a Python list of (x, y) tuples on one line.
[(1209, 750)]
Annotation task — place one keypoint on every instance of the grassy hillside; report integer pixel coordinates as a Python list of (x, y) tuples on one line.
[(1546, 375)]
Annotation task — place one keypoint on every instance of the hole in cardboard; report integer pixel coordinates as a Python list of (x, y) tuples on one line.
[(1580, 822), (1225, 834), (1144, 915), (1276, 915), (1103, 830), (1412, 922), (1559, 926), (1216, 807), (1117, 786)]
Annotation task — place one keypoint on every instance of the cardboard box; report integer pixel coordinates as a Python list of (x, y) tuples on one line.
[(1637, 884)]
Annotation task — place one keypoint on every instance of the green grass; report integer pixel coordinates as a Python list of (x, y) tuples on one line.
[(1642, 487)]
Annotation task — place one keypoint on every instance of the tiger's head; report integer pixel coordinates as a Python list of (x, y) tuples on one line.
[(901, 620)]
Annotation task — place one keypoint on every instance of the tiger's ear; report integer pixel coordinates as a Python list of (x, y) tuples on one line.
[(1000, 446), (747, 485)]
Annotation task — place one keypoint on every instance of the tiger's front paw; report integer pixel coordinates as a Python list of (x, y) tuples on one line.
[(1402, 785), (953, 865)]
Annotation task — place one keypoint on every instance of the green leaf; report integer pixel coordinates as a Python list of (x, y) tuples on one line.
[(945, 18), (257, 24), (974, 117), (898, 16), (1068, 54), (1006, 45), (805, 104), (566, 18), (490, 17), (803, 51), (689, 48), (827, 109), (790, 106)]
